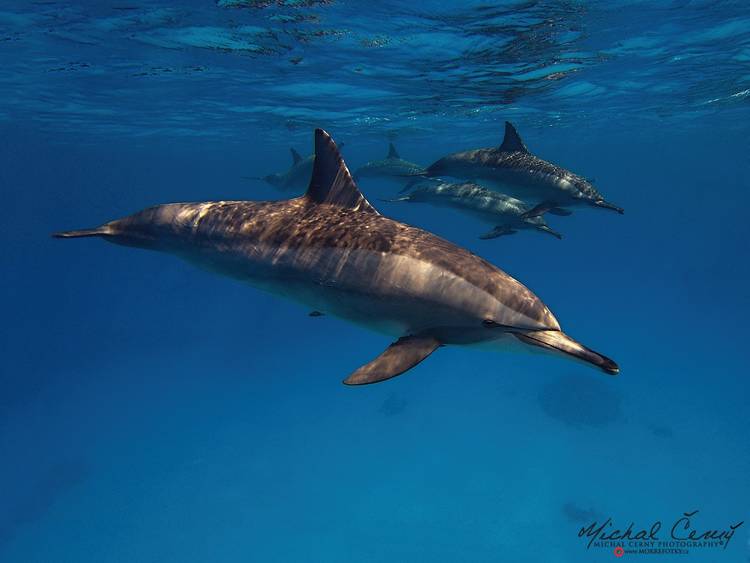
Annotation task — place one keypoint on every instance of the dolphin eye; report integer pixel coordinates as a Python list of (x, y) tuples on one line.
[(489, 323)]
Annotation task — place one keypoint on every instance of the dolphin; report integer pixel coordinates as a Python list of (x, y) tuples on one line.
[(296, 178), (508, 214), (331, 250), (293, 180), (512, 169), (392, 167)]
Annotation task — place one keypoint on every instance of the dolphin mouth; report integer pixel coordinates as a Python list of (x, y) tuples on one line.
[(558, 341), (101, 231), (606, 205)]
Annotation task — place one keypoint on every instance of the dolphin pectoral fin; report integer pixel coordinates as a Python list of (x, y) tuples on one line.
[(540, 209), (410, 184), (546, 229), (399, 357), (555, 340), (498, 232), (562, 212)]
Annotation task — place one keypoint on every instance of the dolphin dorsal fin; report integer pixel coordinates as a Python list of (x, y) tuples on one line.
[(392, 152), (331, 181), (512, 141), (296, 158)]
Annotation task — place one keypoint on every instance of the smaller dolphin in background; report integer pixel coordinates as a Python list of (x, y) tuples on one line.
[(293, 180), (296, 178), (512, 169), (508, 214), (392, 166)]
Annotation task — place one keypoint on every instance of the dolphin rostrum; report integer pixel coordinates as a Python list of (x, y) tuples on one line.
[(506, 213), (392, 166), (512, 169), (331, 250)]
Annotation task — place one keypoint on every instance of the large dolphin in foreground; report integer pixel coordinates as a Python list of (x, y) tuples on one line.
[(392, 167), (508, 214), (331, 250), (513, 170)]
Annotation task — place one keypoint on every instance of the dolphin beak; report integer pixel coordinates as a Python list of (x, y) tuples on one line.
[(101, 231), (607, 205), (560, 342)]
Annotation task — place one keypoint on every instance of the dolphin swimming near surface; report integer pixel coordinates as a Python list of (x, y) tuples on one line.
[(506, 213), (332, 251), (392, 166), (296, 178), (512, 169), (293, 180)]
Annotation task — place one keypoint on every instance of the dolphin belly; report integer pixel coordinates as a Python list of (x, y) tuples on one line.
[(390, 293)]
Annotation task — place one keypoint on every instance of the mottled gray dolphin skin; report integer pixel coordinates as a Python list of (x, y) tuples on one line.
[(331, 250), (392, 167), (512, 169), (506, 213)]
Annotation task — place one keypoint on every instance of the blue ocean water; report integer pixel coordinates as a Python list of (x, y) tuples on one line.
[(150, 411)]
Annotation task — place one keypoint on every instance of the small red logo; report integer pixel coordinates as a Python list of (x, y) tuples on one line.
[(619, 551)]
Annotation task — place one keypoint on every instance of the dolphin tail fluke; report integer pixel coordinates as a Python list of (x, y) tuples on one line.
[(81, 233), (606, 205), (555, 340), (399, 357)]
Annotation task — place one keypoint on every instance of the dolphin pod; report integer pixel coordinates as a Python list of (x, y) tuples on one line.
[(331, 250), (521, 181), (513, 170)]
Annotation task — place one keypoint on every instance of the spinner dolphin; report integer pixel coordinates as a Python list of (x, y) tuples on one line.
[(507, 214), (392, 166), (331, 250), (513, 170), (295, 178)]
